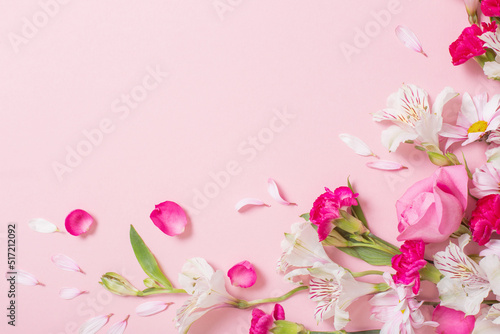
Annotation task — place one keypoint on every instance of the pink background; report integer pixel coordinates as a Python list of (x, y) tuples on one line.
[(228, 74)]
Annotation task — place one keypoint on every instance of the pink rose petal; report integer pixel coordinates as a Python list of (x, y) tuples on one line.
[(78, 222), (385, 165), (409, 39), (66, 263), (273, 190), (169, 217), (242, 275), (119, 327), (151, 308), (249, 201)]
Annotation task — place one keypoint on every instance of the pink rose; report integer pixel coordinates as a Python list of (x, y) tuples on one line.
[(468, 44), (452, 321), (433, 208), (490, 7)]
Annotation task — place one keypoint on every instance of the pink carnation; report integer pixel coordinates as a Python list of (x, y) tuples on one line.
[(485, 218), (327, 206), (490, 7), (261, 322), (468, 44), (408, 263)]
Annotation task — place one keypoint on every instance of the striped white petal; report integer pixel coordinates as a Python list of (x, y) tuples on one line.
[(66, 263), (249, 201), (24, 278), (357, 145), (119, 327), (70, 293), (93, 325), (43, 226), (273, 190), (409, 39), (151, 308)]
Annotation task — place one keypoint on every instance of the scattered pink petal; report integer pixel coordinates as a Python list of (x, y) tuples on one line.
[(169, 217), (357, 145), (42, 226), (273, 190), (66, 263), (93, 325), (385, 165), (242, 275), (70, 293), (24, 278), (150, 308), (78, 222), (409, 39), (119, 327), (278, 312), (249, 201)]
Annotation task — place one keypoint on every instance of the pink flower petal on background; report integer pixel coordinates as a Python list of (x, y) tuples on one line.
[(169, 217), (409, 39), (42, 226), (150, 308), (278, 312), (273, 190), (70, 293), (119, 327), (93, 325), (242, 275), (66, 263), (24, 278), (78, 222), (385, 165), (357, 145), (249, 201)]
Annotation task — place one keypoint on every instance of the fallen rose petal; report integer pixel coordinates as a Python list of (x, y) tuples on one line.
[(150, 308), (24, 278), (385, 165), (93, 325), (409, 39), (66, 263), (242, 275), (169, 217), (249, 201), (273, 190), (357, 145), (119, 327), (278, 312), (42, 226), (70, 293), (78, 222)]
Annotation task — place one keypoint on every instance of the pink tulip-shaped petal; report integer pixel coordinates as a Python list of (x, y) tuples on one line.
[(70, 293), (242, 275), (150, 308), (119, 327), (66, 263), (78, 222), (273, 190), (93, 325), (385, 165), (249, 201), (169, 217), (409, 39), (22, 277)]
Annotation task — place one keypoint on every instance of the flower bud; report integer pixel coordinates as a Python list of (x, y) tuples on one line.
[(151, 283), (118, 285), (287, 327), (349, 223), (471, 6), (335, 239), (438, 159)]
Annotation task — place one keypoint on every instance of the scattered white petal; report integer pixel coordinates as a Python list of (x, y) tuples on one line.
[(43, 226), (357, 145), (70, 293), (409, 39), (249, 201), (150, 308), (93, 325), (24, 278), (273, 190), (385, 165), (65, 263), (119, 327)]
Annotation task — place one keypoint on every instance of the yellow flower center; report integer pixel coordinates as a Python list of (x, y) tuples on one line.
[(479, 126)]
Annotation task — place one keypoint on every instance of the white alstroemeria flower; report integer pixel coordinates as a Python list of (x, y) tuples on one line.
[(398, 309), (207, 289), (302, 248), (492, 68), (486, 181), (486, 322), (409, 110)]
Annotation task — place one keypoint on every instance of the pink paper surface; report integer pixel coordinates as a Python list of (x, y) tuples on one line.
[(200, 102)]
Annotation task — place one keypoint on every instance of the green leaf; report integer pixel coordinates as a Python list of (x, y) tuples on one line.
[(305, 216), (356, 209), (469, 174), (147, 260), (370, 255)]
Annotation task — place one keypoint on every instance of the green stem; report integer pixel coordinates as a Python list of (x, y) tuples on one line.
[(243, 304), (155, 291), (392, 249), (372, 331), (367, 272)]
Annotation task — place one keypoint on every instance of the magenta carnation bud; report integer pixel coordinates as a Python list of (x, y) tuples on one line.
[(169, 217), (261, 322), (242, 275), (408, 263), (78, 222), (485, 218)]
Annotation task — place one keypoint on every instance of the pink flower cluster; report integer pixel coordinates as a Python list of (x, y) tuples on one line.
[(485, 218), (263, 322), (327, 206), (408, 263), (468, 44), (490, 7)]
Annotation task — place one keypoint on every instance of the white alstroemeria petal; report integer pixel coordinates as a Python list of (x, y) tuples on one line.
[(150, 308), (493, 156), (491, 266), (273, 190), (93, 325), (357, 145), (70, 293), (24, 278), (119, 327), (66, 263), (43, 226), (249, 201), (385, 165), (409, 39)]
